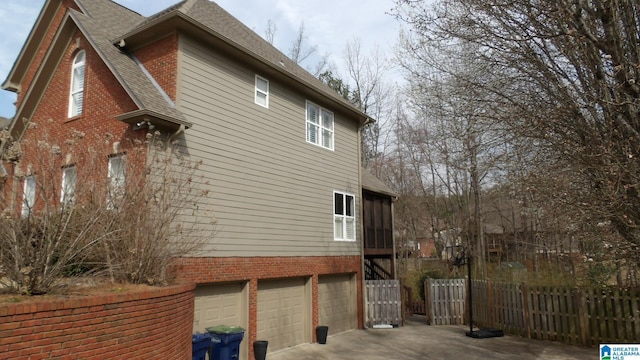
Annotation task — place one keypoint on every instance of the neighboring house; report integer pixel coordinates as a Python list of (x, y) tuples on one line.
[(427, 247), (279, 149)]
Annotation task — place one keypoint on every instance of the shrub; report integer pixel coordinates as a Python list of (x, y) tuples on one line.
[(128, 230)]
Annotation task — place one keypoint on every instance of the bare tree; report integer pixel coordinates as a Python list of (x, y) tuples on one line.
[(300, 51), (374, 96), (454, 140), (270, 32), (572, 87)]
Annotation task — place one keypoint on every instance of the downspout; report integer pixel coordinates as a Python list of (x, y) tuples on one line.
[(178, 132), (393, 238), (363, 301), (14, 186)]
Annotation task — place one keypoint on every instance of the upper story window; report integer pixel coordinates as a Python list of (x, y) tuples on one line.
[(344, 216), (319, 126), (262, 91), (28, 195), (116, 179), (68, 188), (76, 96)]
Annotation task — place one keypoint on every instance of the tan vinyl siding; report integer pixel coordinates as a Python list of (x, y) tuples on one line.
[(272, 192)]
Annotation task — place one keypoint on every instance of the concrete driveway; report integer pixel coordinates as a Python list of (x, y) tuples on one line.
[(417, 340)]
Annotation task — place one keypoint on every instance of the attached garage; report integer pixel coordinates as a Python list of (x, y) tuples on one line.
[(222, 304), (284, 312), (338, 302)]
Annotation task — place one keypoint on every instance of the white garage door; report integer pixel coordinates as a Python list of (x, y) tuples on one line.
[(283, 313), (337, 302)]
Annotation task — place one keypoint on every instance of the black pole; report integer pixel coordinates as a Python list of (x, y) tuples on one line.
[(470, 295), (482, 333)]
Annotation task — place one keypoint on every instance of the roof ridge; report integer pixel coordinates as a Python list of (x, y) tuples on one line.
[(124, 7), (88, 13), (164, 11), (188, 4)]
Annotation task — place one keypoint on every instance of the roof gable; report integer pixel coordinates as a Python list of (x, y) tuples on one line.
[(104, 23), (99, 21), (213, 21), (32, 44), (132, 76)]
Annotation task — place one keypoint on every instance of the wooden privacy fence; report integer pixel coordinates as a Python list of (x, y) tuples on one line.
[(445, 299), (383, 302), (571, 315)]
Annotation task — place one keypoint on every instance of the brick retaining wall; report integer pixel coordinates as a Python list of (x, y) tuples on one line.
[(147, 324)]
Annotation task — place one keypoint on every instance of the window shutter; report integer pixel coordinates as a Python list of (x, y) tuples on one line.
[(29, 195), (76, 97), (69, 176)]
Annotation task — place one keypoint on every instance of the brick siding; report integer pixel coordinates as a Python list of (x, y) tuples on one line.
[(253, 269), (104, 98), (161, 61)]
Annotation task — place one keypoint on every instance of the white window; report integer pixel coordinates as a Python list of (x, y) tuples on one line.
[(28, 195), (68, 189), (76, 96), (262, 91), (344, 218), (116, 179), (319, 126)]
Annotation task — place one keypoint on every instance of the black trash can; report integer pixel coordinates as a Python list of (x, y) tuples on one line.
[(226, 342), (200, 345), (321, 334), (260, 349)]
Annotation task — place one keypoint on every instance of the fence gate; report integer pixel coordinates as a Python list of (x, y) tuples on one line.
[(383, 303), (445, 299)]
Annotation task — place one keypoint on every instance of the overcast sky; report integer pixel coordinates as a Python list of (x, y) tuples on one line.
[(329, 24)]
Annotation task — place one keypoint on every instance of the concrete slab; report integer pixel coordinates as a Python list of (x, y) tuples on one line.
[(417, 340)]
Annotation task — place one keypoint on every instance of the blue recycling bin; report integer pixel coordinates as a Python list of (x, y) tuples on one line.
[(200, 345), (226, 342)]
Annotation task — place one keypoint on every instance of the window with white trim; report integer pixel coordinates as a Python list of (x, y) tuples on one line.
[(76, 95), (116, 180), (262, 91), (319, 126), (68, 188), (344, 216), (28, 195)]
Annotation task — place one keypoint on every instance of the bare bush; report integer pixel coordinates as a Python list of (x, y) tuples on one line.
[(159, 216), (128, 224)]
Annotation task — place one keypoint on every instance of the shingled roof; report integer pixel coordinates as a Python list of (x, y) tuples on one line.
[(372, 183), (108, 25), (218, 23), (103, 20)]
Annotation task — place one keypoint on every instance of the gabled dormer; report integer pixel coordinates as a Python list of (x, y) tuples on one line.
[(91, 25)]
